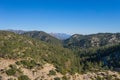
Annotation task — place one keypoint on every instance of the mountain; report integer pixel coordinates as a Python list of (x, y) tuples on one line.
[(40, 35), (102, 50), (31, 56), (61, 36), (15, 46), (17, 31), (93, 40)]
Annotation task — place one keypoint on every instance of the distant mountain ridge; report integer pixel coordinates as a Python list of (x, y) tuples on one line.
[(73, 41), (93, 40), (17, 31), (40, 35), (61, 36)]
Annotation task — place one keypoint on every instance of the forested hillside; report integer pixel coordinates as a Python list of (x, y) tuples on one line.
[(79, 54), (95, 51), (93, 40), (40, 35), (16, 46)]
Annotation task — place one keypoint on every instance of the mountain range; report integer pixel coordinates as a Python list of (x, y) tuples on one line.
[(93, 40), (61, 36), (76, 54)]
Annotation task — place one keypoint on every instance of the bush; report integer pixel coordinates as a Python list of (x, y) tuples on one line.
[(64, 78), (56, 78), (28, 64), (18, 63), (61, 70), (10, 72), (23, 77), (51, 72), (13, 66), (99, 78)]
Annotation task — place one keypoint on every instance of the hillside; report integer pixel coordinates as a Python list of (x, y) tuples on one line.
[(93, 40), (40, 35), (14, 46), (101, 51), (29, 55), (10, 70)]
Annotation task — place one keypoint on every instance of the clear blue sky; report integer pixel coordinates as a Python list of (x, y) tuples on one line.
[(66, 16)]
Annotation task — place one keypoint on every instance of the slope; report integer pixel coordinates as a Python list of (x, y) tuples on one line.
[(14, 46), (40, 35), (93, 40)]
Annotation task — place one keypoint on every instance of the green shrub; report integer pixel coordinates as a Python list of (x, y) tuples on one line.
[(18, 63), (28, 64), (51, 72), (23, 77), (10, 72), (56, 78), (13, 66), (99, 78), (61, 70), (64, 78)]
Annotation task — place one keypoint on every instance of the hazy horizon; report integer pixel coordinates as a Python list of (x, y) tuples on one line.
[(57, 32), (61, 16)]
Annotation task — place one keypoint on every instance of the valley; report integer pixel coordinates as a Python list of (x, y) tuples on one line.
[(36, 55)]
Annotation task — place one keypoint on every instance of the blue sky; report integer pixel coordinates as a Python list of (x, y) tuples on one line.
[(65, 16)]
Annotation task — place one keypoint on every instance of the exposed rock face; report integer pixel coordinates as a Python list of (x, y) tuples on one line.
[(95, 41)]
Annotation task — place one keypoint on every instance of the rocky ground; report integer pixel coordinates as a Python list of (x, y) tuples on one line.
[(43, 73)]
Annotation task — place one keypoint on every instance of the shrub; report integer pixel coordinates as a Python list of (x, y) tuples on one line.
[(18, 63), (61, 70), (13, 66), (99, 78), (56, 78), (10, 72), (51, 72), (64, 78), (23, 77), (28, 64)]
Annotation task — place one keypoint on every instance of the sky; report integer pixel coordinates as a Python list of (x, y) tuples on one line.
[(61, 16)]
